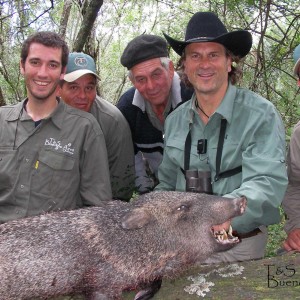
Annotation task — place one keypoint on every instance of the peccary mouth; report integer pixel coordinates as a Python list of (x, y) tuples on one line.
[(223, 233), (224, 237)]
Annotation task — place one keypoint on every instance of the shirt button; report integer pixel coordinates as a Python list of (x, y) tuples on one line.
[(27, 160), (22, 186)]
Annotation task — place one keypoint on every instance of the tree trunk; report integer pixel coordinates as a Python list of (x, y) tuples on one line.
[(65, 18), (2, 101), (87, 24)]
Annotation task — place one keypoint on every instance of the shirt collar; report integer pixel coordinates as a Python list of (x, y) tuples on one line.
[(175, 95), (225, 109), (57, 115), (15, 112)]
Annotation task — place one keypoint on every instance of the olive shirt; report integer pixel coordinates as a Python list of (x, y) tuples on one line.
[(291, 202), (254, 139), (119, 145), (60, 164)]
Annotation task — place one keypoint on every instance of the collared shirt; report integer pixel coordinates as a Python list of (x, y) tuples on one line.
[(60, 164), (254, 139), (291, 202), (155, 121), (119, 147)]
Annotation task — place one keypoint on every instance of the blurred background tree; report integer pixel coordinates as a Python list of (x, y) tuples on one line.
[(103, 29)]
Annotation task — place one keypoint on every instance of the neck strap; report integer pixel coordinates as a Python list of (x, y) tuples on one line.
[(220, 147), (187, 153)]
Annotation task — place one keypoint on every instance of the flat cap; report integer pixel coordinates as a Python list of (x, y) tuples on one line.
[(142, 48)]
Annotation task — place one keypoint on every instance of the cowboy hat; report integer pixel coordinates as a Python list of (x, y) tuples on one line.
[(207, 27)]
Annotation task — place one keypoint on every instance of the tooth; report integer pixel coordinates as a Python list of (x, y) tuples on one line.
[(230, 230), (221, 235), (225, 236)]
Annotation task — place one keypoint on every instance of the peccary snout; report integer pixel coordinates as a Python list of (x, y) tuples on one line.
[(106, 250)]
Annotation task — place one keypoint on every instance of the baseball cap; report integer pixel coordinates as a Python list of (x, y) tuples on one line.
[(296, 57), (78, 65)]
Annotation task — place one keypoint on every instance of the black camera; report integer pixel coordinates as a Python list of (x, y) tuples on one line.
[(198, 181), (202, 146)]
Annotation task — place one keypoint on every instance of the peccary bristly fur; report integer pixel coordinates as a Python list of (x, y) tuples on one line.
[(101, 251)]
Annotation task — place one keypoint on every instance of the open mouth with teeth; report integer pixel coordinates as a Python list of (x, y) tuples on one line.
[(224, 237)]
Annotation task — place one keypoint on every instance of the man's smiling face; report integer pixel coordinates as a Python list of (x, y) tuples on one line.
[(207, 67), (42, 71)]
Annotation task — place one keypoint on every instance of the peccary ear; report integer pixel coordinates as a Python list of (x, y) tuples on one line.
[(136, 219)]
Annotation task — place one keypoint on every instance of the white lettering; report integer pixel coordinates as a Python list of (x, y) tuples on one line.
[(68, 149), (58, 145)]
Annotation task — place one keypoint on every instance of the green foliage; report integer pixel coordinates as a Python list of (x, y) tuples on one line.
[(276, 237), (267, 69), (18, 19)]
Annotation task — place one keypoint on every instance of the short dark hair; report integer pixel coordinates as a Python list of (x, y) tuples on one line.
[(48, 39)]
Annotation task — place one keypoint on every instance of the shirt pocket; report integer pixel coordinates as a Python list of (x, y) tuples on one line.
[(175, 148), (231, 154), (53, 173), (176, 152), (8, 171)]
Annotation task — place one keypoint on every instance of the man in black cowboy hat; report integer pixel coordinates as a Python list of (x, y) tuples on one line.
[(232, 134)]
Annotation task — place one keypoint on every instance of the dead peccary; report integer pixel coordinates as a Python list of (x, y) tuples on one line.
[(102, 251)]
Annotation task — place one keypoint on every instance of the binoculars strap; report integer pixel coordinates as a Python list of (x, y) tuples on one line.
[(187, 153)]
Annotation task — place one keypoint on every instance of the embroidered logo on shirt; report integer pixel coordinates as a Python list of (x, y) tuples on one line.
[(57, 145)]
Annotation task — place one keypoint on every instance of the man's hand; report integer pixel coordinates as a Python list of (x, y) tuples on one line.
[(292, 242)]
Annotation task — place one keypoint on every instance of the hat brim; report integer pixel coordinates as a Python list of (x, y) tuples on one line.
[(72, 76), (296, 68), (238, 42)]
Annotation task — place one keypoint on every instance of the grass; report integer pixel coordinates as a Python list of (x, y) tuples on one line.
[(276, 236)]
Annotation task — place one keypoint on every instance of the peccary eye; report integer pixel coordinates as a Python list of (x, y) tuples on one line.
[(183, 208)]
